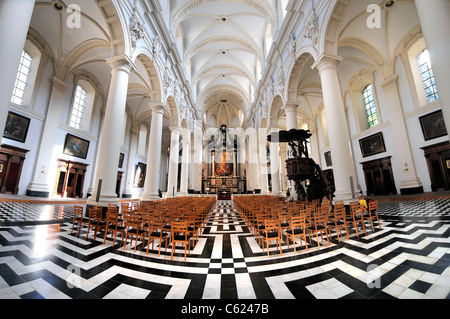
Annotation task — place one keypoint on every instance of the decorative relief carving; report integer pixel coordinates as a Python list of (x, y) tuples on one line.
[(136, 30), (157, 46), (292, 46), (312, 31)]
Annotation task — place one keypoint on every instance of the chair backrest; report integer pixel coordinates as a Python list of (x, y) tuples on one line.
[(155, 225), (339, 213), (179, 227), (373, 206), (320, 218), (357, 212), (94, 214), (78, 211), (112, 218), (132, 220), (272, 225), (298, 221)]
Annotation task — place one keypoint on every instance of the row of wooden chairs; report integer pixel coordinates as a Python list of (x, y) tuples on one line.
[(269, 218), (178, 221)]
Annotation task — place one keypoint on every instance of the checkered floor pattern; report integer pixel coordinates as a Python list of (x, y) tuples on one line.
[(408, 258)]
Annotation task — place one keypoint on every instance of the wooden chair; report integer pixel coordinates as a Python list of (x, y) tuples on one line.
[(285, 219), (320, 225), (272, 231), (78, 218), (356, 217), (133, 228), (113, 225), (156, 232), (194, 225), (180, 234), (96, 221), (297, 229), (259, 224), (339, 220), (372, 213)]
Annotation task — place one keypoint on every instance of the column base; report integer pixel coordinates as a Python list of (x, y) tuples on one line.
[(411, 186), (346, 197), (105, 200), (411, 190), (150, 197), (38, 190)]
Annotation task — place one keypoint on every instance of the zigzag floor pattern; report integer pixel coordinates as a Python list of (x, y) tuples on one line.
[(408, 258)]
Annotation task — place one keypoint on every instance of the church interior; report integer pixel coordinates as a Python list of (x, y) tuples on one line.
[(238, 119)]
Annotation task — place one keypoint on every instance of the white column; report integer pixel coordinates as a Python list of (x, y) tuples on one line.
[(191, 167), (151, 188), (172, 183), (291, 116), (410, 182), (275, 166), (109, 148), (15, 17), (434, 19), (198, 154), (263, 161), (184, 179), (164, 170), (284, 180), (128, 191), (43, 180), (338, 132)]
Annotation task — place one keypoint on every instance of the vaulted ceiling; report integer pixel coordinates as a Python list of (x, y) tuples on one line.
[(224, 45)]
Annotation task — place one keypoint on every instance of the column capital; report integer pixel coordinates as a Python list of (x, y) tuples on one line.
[(327, 61), (59, 84), (291, 107), (175, 130), (122, 63), (391, 80), (157, 108)]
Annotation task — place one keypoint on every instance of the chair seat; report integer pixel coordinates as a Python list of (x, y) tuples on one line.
[(339, 222), (295, 232), (82, 219), (284, 225), (270, 235), (181, 237), (158, 234), (113, 227), (136, 231), (319, 227)]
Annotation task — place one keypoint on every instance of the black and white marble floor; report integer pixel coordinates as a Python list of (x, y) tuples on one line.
[(408, 258)]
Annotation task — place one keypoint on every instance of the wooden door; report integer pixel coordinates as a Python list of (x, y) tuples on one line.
[(11, 164)]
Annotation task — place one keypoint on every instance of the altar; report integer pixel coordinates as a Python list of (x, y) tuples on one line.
[(222, 174)]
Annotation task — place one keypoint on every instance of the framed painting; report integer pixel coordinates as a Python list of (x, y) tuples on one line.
[(223, 164), (433, 125), (121, 157), (16, 127), (139, 175), (328, 161), (372, 145), (76, 146)]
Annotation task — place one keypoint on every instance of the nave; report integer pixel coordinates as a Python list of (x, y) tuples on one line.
[(408, 258)]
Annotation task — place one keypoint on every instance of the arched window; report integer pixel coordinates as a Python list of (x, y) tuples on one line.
[(83, 102), (370, 106), (79, 104), (142, 140), (427, 75), (22, 78)]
